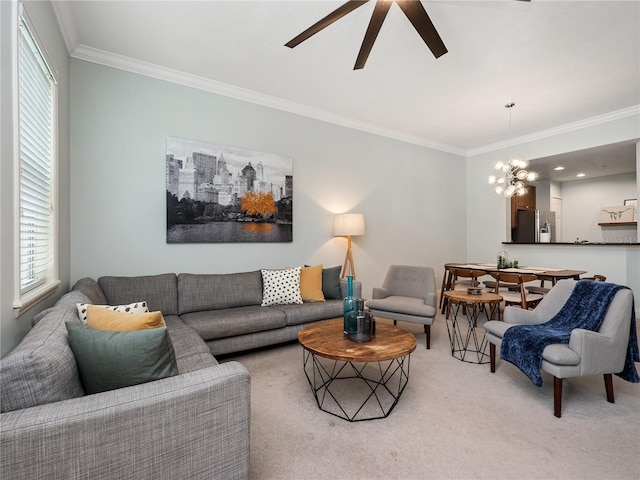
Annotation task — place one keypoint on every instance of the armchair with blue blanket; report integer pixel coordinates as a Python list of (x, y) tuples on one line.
[(578, 329)]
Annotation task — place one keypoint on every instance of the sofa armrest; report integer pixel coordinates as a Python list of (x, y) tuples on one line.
[(379, 292), (194, 425), (521, 316)]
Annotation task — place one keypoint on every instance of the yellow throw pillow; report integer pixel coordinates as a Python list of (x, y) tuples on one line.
[(311, 284), (105, 319)]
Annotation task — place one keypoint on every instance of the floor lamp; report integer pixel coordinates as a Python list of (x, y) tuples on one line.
[(348, 225)]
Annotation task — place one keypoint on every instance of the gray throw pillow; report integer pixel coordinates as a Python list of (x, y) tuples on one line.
[(331, 282), (109, 360)]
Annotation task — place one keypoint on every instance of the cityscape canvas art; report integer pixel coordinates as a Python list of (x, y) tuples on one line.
[(218, 194)]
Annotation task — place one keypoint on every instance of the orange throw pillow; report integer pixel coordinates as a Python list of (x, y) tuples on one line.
[(105, 319), (311, 284)]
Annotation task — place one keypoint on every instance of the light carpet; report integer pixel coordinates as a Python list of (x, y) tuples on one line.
[(455, 420)]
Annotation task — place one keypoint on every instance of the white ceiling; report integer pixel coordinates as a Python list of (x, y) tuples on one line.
[(561, 62)]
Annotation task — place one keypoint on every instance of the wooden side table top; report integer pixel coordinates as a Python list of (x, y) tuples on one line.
[(327, 340), (463, 296)]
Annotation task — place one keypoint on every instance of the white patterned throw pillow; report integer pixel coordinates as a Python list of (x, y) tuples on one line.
[(281, 287), (136, 307)]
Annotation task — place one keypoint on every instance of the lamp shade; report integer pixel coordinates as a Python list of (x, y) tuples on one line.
[(348, 224)]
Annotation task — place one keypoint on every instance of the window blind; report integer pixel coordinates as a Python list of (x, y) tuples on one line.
[(36, 123)]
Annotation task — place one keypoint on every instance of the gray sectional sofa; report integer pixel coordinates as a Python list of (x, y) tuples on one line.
[(192, 425), (224, 309)]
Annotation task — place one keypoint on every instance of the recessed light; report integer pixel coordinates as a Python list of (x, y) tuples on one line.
[(559, 168), (581, 175)]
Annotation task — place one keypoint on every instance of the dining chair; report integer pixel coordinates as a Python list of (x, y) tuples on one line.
[(446, 284), (542, 290), (595, 278), (516, 294), (462, 279)]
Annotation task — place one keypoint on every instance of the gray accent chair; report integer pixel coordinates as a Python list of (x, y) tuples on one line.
[(408, 294), (587, 353)]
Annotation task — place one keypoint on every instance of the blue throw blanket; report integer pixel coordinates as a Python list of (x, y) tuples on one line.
[(585, 308)]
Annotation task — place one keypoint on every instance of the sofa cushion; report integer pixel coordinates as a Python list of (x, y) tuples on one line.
[(197, 293), (406, 305), (159, 291), (110, 360), (191, 352), (214, 324), (42, 368), (311, 284), (311, 312), (136, 307), (107, 319), (281, 287)]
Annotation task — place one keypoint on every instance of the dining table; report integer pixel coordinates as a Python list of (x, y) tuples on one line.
[(544, 273), (552, 274)]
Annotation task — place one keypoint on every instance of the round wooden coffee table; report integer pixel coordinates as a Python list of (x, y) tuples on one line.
[(356, 381)]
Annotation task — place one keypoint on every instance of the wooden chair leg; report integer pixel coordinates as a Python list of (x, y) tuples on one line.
[(492, 357), (608, 385), (442, 288), (446, 285), (557, 396), (427, 331)]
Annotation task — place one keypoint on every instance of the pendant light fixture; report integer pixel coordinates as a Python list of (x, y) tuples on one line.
[(514, 171)]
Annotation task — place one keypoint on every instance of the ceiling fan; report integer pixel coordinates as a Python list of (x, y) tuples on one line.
[(413, 9)]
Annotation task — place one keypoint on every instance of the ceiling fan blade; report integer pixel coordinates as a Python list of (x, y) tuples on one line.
[(337, 14), (418, 16), (378, 16)]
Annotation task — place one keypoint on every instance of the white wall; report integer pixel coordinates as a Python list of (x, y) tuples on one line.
[(582, 201), (41, 14), (414, 211), (487, 220)]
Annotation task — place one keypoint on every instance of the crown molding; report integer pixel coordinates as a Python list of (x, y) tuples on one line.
[(121, 62), (62, 11), (569, 127)]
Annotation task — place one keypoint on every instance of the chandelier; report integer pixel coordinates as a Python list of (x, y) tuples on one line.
[(513, 173)]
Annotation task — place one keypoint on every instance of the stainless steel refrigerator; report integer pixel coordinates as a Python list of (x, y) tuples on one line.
[(530, 222)]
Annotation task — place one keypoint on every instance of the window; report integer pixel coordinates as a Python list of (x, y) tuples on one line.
[(37, 172)]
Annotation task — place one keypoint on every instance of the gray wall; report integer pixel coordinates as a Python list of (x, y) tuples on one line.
[(410, 195), (42, 16)]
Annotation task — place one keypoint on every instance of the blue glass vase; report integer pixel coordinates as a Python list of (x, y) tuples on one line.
[(349, 307)]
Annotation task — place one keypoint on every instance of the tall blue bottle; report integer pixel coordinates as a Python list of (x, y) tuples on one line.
[(349, 305)]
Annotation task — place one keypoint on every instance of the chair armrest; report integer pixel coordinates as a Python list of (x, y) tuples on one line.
[(598, 353), (379, 292), (194, 425), (431, 299), (521, 316)]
